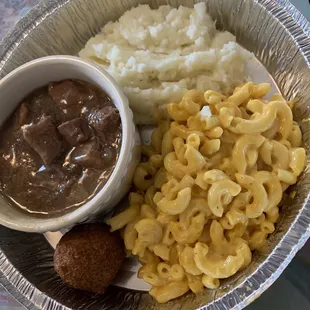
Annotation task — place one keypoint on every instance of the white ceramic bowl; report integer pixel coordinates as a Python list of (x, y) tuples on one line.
[(22, 81)]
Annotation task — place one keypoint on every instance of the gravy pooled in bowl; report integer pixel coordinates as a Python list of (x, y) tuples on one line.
[(59, 148)]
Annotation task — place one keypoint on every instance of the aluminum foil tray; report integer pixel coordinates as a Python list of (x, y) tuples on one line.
[(277, 34)]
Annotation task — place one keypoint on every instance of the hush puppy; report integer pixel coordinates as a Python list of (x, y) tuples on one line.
[(88, 257)]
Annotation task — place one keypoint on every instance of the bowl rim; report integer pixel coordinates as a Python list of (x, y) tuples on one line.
[(41, 225), (285, 250)]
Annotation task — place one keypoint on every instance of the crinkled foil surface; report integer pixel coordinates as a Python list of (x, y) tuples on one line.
[(277, 34)]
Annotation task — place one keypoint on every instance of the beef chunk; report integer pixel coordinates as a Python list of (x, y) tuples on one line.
[(75, 131), (88, 155), (44, 139), (88, 93), (21, 115), (65, 93), (105, 119)]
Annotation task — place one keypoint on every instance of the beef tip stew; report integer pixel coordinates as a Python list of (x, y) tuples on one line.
[(75, 131), (65, 93), (22, 114), (59, 148), (88, 155), (43, 138), (101, 119)]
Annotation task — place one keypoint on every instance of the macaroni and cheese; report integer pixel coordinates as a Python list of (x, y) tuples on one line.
[(209, 192)]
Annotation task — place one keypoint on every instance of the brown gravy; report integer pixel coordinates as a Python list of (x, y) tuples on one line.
[(59, 147)]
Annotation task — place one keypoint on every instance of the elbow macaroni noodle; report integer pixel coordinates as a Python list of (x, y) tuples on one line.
[(208, 194)]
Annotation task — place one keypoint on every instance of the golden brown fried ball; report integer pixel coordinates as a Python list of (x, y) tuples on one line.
[(88, 257)]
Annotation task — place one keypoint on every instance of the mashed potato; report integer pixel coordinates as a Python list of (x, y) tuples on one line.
[(157, 55)]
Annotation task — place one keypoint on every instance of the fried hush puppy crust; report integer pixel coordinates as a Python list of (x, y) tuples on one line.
[(88, 257)]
